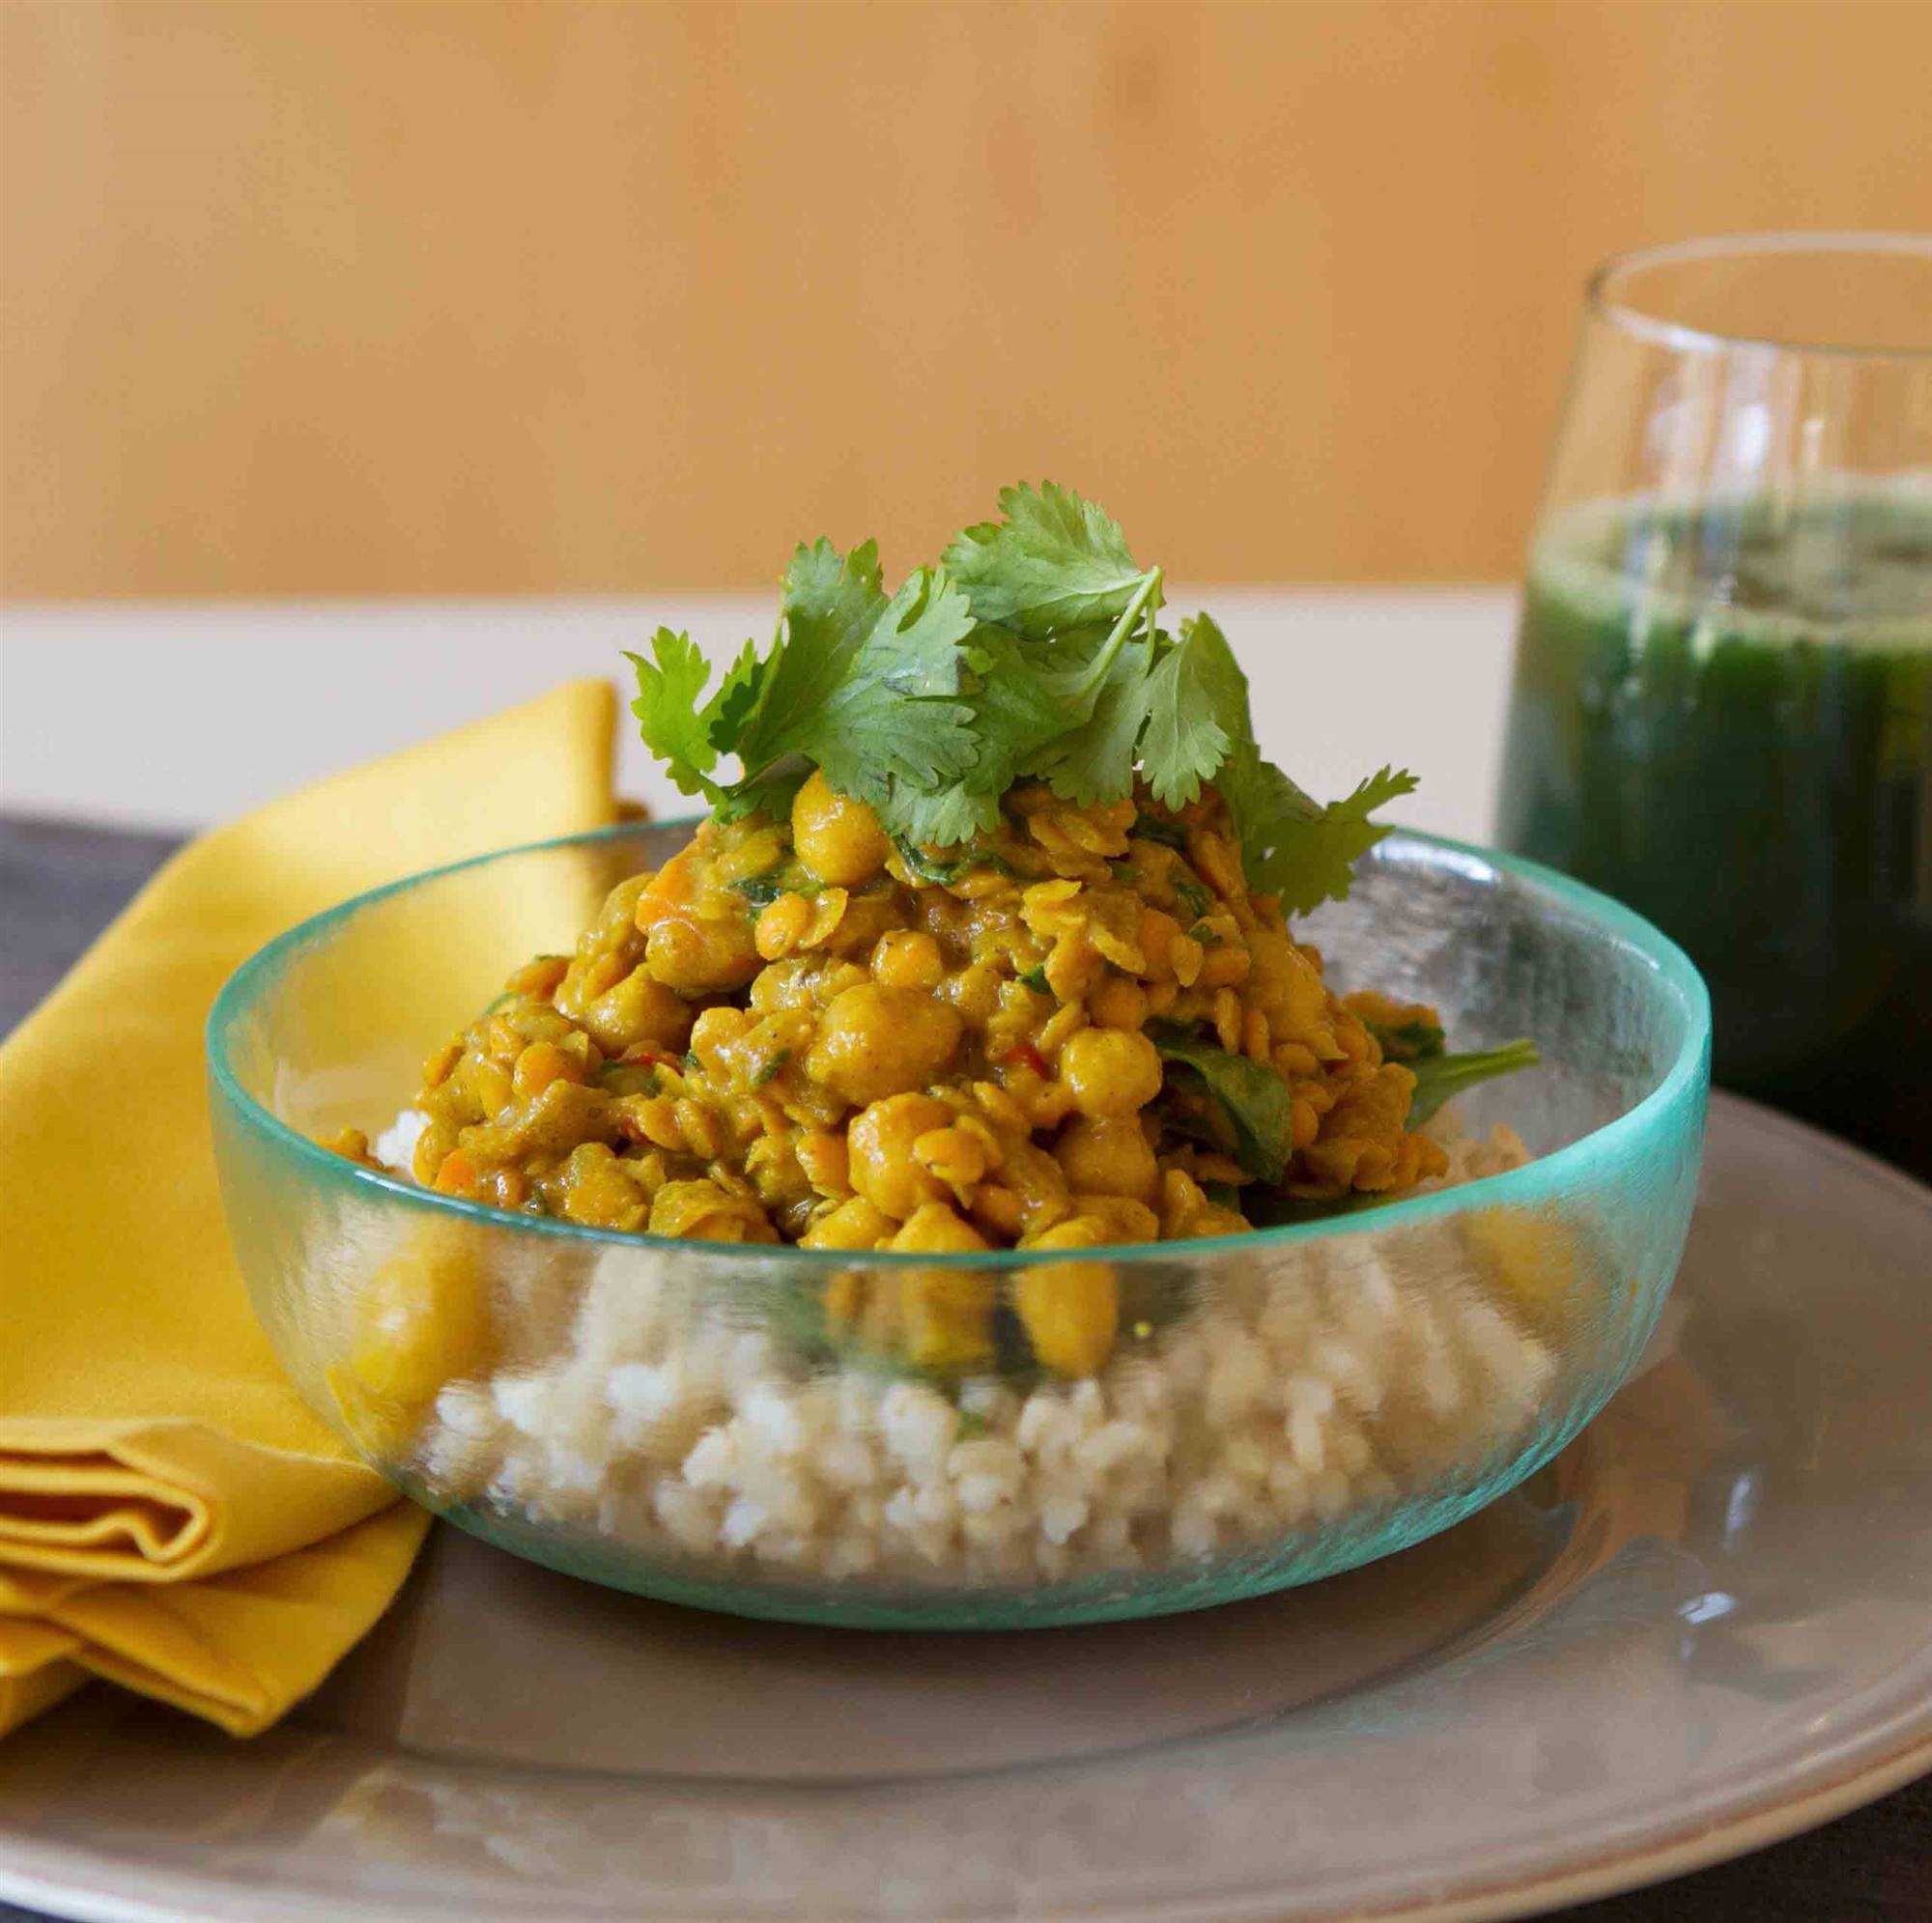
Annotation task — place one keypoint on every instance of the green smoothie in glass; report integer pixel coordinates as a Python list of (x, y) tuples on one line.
[(1722, 715)]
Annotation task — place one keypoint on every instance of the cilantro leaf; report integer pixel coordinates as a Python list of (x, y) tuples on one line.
[(1291, 846), (1033, 651), (1439, 1077), (1307, 853), (737, 698), (860, 686), (1252, 1098), (1016, 712), (675, 726), (1056, 562), (1188, 693), (1071, 709), (891, 729), (938, 817), (829, 602), (1094, 761)]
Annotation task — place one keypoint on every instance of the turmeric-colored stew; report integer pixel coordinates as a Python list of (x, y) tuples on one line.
[(987, 948)]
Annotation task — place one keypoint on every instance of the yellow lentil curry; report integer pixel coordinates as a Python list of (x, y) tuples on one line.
[(1083, 1023)]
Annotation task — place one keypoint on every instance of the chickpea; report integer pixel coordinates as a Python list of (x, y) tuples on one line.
[(998, 1210), (946, 1315), (1111, 1071), (1117, 1003), (1108, 1155), (1123, 1220), (875, 1041), (933, 1229), (823, 1157), (782, 926), (836, 837), (542, 1063), (712, 1035), (1071, 1310), (492, 1084), (952, 1154), (975, 992), (854, 1224), (639, 1009), (907, 958), (599, 1192), (538, 977), (616, 924), (588, 977), (947, 1320), (701, 957), (422, 1321), (880, 1148)]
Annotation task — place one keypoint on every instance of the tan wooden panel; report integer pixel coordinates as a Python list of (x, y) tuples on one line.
[(350, 297)]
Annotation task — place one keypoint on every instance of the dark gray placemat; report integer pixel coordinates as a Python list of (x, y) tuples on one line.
[(60, 883)]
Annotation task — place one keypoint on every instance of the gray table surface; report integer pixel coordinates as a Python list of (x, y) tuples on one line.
[(60, 882)]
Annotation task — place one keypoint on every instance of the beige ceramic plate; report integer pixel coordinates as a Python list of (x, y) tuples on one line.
[(1707, 1626)]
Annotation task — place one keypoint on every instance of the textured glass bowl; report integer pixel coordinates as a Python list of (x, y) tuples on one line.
[(677, 1418)]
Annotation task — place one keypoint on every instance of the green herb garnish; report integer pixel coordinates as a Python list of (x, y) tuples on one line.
[(1151, 827), (762, 891), (1406, 1042), (769, 1071), (1192, 895), (1035, 978), (629, 1078), (1439, 1077), (1033, 650), (936, 872), (1252, 1099)]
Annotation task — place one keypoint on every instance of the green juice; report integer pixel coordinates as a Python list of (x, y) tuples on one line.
[(1722, 716)]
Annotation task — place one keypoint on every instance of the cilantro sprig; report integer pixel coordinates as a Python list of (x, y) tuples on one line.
[(1033, 650)]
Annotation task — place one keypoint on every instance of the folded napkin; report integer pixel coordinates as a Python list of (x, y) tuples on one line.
[(171, 1514)]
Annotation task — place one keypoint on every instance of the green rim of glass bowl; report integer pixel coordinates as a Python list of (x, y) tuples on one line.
[(1547, 1175)]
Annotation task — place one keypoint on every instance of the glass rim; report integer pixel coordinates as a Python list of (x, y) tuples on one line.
[(1543, 1178), (1601, 303)]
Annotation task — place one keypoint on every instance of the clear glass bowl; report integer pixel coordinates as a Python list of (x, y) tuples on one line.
[(677, 1418)]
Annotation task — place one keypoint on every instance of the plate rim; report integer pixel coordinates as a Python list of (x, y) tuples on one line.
[(1702, 1845)]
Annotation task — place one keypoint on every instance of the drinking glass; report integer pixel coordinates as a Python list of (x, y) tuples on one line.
[(1722, 701)]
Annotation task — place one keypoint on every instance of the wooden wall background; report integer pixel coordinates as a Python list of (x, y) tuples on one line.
[(401, 296)]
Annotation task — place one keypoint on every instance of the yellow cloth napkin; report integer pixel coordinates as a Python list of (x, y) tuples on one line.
[(171, 1514)]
